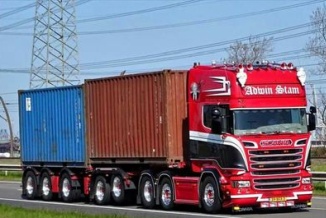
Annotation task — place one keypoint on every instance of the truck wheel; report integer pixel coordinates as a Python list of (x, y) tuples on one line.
[(166, 194), (147, 192), (118, 189), (67, 192), (209, 195), (30, 186), (46, 187), (102, 191)]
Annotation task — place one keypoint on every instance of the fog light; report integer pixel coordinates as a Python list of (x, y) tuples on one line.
[(241, 184), (306, 180), (236, 208)]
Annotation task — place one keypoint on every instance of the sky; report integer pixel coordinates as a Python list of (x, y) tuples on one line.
[(147, 35)]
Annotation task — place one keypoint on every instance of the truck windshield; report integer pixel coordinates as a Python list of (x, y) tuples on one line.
[(270, 121)]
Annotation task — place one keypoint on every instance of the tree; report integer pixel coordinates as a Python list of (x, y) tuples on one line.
[(254, 50), (316, 45)]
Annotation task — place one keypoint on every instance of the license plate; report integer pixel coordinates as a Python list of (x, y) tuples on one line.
[(277, 199)]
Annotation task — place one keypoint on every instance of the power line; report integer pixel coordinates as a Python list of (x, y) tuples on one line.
[(176, 25), (17, 10), (148, 10), (174, 53), (28, 20), (111, 16), (231, 17)]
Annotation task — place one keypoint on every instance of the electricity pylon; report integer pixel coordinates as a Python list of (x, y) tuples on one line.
[(7, 119), (55, 60)]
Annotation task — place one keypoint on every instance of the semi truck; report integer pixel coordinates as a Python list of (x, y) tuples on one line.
[(215, 136)]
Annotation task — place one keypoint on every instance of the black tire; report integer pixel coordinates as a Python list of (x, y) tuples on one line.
[(166, 194), (68, 193), (209, 195), (102, 191), (46, 187), (147, 186), (30, 185), (118, 189)]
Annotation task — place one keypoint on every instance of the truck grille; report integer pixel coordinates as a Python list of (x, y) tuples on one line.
[(279, 168), (277, 183)]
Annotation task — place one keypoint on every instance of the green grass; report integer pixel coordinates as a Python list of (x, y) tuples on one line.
[(319, 188), (10, 176), (318, 165), (14, 212)]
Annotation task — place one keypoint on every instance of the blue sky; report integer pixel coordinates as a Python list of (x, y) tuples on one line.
[(214, 25)]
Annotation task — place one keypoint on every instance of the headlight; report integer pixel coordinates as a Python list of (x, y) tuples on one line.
[(241, 184), (306, 180)]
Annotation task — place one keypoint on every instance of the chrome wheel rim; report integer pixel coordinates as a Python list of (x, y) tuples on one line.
[(166, 194), (209, 195), (116, 189), (100, 190), (46, 186), (66, 187), (29, 185), (148, 191)]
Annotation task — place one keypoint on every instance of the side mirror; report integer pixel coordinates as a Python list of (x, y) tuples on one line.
[(313, 110), (216, 121), (216, 113), (312, 119)]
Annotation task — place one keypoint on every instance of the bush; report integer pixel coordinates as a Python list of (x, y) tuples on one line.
[(318, 152)]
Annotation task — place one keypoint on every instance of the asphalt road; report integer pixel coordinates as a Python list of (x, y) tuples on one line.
[(10, 194)]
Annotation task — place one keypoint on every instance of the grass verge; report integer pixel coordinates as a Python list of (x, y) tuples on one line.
[(10, 176), (14, 212), (319, 188), (318, 165)]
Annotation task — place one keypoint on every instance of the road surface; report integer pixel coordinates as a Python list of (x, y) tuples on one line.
[(10, 194)]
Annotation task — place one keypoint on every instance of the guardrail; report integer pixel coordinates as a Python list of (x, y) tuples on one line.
[(319, 176), (10, 167), (316, 176)]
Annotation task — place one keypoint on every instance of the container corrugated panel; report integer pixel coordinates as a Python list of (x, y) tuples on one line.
[(137, 117), (52, 126)]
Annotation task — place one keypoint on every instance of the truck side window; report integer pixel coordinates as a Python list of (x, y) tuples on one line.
[(226, 119)]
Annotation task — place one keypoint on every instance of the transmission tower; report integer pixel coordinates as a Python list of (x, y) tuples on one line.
[(55, 60)]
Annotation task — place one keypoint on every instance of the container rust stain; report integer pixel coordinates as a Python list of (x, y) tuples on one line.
[(140, 117)]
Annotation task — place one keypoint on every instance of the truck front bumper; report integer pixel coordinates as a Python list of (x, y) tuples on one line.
[(298, 199)]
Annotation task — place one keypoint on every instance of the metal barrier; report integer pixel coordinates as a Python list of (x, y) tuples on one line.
[(316, 176), (319, 176), (10, 167)]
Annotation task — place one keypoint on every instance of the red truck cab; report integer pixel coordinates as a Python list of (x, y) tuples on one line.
[(250, 124)]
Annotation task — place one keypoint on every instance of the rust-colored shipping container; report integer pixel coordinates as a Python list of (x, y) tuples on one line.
[(137, 118)]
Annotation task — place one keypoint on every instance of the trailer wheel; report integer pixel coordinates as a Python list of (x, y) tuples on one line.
[(46, 187), (67, 192), (147, 192), (118, 189), (209, 195), (166, 194), (30, 186), (102, 191)]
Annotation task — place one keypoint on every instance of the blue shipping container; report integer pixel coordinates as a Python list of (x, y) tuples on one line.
[(52, 126)]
